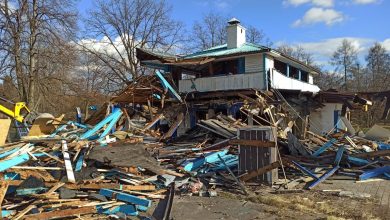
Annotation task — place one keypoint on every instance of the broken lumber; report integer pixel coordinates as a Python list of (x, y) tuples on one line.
[(260, 171), (62, 213)]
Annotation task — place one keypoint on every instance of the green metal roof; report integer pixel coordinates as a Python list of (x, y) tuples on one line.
[(222, 50)]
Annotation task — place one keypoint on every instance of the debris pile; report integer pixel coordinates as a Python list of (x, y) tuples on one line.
[(126, 156)]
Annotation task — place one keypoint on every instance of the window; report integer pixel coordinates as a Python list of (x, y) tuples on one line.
[(294, 72), (304, 76), (280, 67)]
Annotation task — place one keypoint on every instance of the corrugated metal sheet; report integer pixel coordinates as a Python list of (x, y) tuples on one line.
[(253, 63)]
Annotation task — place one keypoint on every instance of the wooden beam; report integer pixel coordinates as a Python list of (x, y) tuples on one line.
[(260, 171), (253, 143), (24, 212), (379, 153), (62, 213), (3, 190), (68, 163)]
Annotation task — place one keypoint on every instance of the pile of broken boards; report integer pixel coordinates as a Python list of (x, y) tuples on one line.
[(91, 171), (341, 154), (53, 176)]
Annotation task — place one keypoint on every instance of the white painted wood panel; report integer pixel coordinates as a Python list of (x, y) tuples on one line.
[(220, 83), (254, 63), (280, 81)]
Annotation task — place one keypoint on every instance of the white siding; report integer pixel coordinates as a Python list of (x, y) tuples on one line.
[(322, 120), (254, 63), (221, 83), (280, 81)]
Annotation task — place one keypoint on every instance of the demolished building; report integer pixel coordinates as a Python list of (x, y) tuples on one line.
[(229, 117)]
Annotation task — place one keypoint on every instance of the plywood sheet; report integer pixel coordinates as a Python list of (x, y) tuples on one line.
[(4, 128)]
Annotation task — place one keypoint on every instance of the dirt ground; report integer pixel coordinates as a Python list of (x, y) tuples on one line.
[(265, 205)]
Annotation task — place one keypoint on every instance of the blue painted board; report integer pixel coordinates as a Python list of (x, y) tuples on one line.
[(111, 119), (358, 161), (5, 154), (212, 157), (125, 197), (324, 147), (323, 177), (166, 84), (126, 209), (80, 160), (339, 155), (6, 213), (374, 173), (6, 164), (305, 170)]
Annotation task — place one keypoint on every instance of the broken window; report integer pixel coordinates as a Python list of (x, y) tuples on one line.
[(294, 72), (226, 67), (280, 67)]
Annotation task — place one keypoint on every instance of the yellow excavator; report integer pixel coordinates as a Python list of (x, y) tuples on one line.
[(20, 113)]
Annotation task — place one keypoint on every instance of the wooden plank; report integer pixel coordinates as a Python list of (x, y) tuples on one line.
[(374, 173), (21, 214), (174, 126), (68, 163), (323, 177), (260, 171), (3, 190), (4, 128), (125, 197), (62, 213), (253, 143), (379, 153), (93, 186)]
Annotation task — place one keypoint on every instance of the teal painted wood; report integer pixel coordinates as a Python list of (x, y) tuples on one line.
[(125, 197), (339, 155), (323, 177), (80, 160), (30, 191), (241, 65), (5, 154), (212, 157), (111, 119), (374, 173), (6, 213), (125, 209), (166, 84), (324, 147), (6, 164)]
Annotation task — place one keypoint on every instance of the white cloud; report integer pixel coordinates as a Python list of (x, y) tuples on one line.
[(365, 2), (386, 44), (324, 49), (320, 15), (320, 3)]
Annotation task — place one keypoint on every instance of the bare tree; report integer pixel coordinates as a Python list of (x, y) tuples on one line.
[(30, 32), (123, 26), (211, 31), (257, 36), (378, 65), (344, 57), (297, 52)]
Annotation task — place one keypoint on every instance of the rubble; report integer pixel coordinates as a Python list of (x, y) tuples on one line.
[(124, 158)]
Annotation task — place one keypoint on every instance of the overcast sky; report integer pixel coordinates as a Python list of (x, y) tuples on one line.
[(317, 25)]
